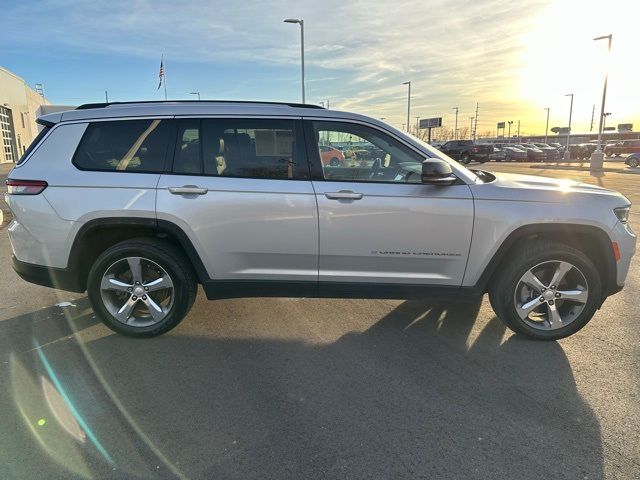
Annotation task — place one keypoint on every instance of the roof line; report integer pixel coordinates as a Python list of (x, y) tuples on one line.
[(87, 106)]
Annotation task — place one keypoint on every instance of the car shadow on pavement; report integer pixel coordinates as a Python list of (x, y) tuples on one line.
[(422, 393)]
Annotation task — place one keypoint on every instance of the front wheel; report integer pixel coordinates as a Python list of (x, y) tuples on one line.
[(465, 159), (546, 291), (142, 287), (633, 162)]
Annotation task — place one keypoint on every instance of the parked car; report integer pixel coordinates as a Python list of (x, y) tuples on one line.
[(511, 153), (137, 203), (551, 153), (633, 160), (331, 156), (498, 154), (534, 154), (626, 146), (466, 151)]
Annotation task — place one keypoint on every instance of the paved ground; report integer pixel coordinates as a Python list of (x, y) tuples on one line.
[(302, 388)]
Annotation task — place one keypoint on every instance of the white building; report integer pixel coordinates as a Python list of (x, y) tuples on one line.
[(19, 107)]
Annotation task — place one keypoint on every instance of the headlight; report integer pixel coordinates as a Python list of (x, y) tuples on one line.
[(622, 213)]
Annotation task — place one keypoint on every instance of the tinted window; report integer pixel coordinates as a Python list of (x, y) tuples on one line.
[(124, 145), (33, 145), (248, 148), (368, 155)]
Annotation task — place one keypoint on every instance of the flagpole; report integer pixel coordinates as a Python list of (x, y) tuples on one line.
[(165, 79)]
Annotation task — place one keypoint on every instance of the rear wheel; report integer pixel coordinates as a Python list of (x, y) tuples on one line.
[(633, 162), (334, 162), (142, 287), (546, 291), (465, 159)]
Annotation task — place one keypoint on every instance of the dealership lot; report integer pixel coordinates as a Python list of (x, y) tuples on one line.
[(317, 388)]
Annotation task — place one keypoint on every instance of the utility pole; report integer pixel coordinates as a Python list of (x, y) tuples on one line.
[(456, 127), (106, 96), (300, 22), (546, 130), (593, 114), (408, 102), (417, 126), (567, 153), (597, 157), (475, 130), (509, 135), (518, 131), (471, 130)]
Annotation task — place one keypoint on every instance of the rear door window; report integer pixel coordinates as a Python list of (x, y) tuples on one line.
[(124, 146), (244, 148)]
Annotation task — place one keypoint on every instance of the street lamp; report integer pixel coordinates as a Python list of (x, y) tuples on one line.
[(301, 23), (408, 101), (196, 93), (567, 153), (456, 128), (546, 131), (509, 134), (597, 156)]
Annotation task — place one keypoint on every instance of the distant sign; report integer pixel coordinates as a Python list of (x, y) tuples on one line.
[(431, 122), (625, 127), (560, 130), (609, 129), (500, 125)]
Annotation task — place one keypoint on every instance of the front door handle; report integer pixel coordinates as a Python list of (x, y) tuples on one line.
[(343, 195), (188, 190)]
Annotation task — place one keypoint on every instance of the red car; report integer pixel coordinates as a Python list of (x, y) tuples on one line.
[(626, 146), (331, 156)]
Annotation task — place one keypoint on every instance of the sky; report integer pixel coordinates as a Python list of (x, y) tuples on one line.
[(512, 58)]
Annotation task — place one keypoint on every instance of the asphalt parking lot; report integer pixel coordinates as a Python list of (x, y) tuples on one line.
[(317, 388)]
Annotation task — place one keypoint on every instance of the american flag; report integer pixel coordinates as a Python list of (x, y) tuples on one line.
[(161, 73)]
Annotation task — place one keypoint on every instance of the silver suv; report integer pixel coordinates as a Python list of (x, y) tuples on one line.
[(137, 203)]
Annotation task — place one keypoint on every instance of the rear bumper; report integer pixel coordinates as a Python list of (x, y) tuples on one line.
[(60, 278)]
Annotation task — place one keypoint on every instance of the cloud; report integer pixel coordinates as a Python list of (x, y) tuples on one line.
[(456, 53)]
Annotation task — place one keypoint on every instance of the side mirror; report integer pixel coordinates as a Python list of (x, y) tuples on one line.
[(437, 172)]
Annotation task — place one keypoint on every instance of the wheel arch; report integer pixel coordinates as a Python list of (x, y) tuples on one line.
[(96, 235), (591, 240)]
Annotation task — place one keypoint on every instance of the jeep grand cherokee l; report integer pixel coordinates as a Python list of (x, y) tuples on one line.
[(137, 203)]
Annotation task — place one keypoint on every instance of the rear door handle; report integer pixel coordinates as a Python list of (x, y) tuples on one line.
[(343, 195), (188, 190)]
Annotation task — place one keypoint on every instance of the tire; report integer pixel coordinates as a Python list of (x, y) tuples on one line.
[(633, 162), (334, 162), (156, 258), (465, 159), (538, 254)]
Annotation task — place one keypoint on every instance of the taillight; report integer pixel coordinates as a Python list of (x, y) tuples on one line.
[(25, 187), (475, 149)]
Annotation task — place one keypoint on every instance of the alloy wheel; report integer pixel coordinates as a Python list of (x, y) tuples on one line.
[(551, 295), (137, 291)]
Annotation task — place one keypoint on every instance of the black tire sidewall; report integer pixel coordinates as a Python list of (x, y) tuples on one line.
[(503, 294), (183, 284)]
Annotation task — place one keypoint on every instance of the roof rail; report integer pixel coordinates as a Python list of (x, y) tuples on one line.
[(87, 106)]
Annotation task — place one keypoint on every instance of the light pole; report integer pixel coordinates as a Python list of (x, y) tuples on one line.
[(509, 134), (567, 153), (597, 157), (408, 101), (456, 128), (196, 93), (546, 130), (417, 126), (300, 22), (471, 131)]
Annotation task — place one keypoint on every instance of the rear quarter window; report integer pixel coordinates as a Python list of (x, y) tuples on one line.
[(34, 144), (124, 146)]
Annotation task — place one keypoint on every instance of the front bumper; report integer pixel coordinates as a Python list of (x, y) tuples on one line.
[(626, 240)]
